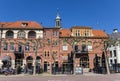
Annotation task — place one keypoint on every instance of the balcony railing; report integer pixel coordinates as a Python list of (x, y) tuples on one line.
[(81, 51), (18, 52), (31, 36)]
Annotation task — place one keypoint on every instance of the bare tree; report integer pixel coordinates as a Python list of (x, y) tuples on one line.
[(36, 44), (72, 42), (105, 45)]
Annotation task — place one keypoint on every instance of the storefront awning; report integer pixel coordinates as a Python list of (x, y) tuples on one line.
[(6, 58)]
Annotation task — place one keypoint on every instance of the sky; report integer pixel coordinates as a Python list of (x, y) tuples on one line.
[(98, 14)]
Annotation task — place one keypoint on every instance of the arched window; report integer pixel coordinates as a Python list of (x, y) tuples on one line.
[(84, 48), (84, 61), (89, 46), (38, 59), (21, 34), (9, 34), (29, 61), (31, 34)]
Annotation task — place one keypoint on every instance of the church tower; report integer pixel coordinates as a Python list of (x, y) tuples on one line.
[(58, 21)]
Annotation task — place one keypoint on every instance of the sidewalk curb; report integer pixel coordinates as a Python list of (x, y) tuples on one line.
[(28, 75)]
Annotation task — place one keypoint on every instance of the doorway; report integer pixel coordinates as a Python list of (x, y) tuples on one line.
[(46, 66)]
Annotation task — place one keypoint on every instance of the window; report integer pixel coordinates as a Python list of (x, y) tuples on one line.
[(58, 23), (86, 33), (20, 48), (45, 54), (114, 53), (6, 46), (48, 53), (89, 46), (49, 41), (84, 48), (65, 48), (24, 24), (115, 61), (77, 33), (111, 61), (9, 34), (12, 46), (76, 48), (31, 34), (27, 47), (55, 33), (21, 34), (64, 42), (110, 53), (55, 42)]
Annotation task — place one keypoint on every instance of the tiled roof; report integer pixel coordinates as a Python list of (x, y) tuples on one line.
[(81, 27), (96, 33), (65, 33), (99, 33), (19, 24)]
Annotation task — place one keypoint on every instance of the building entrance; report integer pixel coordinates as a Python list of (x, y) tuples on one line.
[(84, 61), (67, 68), (19, 55), (46, 66), (38, 64), (29, 61)]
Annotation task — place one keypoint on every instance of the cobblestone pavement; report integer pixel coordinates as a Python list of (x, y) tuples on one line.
[(84, 77)]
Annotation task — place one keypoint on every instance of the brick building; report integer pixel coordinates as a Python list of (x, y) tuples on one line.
[(57, 48)]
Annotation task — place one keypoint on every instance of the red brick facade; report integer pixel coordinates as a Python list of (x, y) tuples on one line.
[(56, 45)]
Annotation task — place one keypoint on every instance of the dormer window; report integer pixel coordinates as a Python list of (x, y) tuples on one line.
[(24, 24), (86, 33), (77, 33)]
